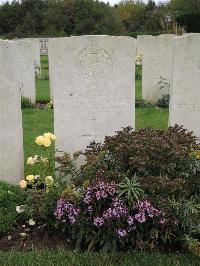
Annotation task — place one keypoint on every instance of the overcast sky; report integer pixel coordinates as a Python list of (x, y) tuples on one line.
[(111, 1)]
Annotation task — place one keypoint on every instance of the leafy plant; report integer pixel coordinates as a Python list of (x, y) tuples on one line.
[(131, 189), (164, 101), (142, 103), (26, 103), (10, 197)]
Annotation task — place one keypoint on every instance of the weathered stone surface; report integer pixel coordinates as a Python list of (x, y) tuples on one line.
[(11, 136), (156, 69), (185, 89), (93, 81), (26, 70)]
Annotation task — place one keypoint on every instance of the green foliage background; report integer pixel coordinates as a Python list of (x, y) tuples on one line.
[(76, 17)]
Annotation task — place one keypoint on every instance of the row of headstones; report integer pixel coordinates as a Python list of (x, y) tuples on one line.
[(92, 80), (171, 65), (27, 65)]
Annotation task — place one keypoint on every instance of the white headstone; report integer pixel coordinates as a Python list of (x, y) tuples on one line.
[(156, 68), (26, 70), (35, 44), (141, 42), (11, 136), (93, 80), (44, 46), (185, 90)]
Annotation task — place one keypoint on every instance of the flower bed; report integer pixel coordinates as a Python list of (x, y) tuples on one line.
[(137, 190)]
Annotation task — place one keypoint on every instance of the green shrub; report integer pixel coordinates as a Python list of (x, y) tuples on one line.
[(26, 103), (164, 101), (167, 166), (147, 152), (10, 197), (140, 103)]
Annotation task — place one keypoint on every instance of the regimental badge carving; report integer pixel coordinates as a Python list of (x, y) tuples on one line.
[(95, 62)]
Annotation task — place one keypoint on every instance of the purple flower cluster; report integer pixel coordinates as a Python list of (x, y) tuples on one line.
[(145, 210), (66, 210), (117, 210), (139, 213), (98, 221), (121, 232), (100, 190)]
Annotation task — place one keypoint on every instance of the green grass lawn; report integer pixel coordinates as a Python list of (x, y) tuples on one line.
[(42, 82), (61, 257)]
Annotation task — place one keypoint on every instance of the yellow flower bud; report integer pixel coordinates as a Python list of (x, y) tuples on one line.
[(23, 184), (49, 181), (30, 161), (30, 178)]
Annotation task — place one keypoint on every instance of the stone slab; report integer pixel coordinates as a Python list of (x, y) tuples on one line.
[(93, 84), (11, 135)]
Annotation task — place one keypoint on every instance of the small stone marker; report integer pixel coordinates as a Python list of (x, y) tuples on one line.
[(93, 83), (26, 70), (11, 136), (44, 46), (185, 90), (156, 68)]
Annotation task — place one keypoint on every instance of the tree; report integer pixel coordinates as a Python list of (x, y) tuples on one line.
[(186, 13)]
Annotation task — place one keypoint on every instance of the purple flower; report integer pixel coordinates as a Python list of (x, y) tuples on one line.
[(121, 232), (101, 194), (162, 221), (66, 209), (98, 221), (90, 209), (87, 199), (140, 217), (153, 212), (130, 228), (117, 210), (130, 220)]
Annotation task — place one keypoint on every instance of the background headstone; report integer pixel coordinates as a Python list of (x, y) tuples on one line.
[(141, 42), (156, 68), (185, 89), (35, 44), (93, 83), (11, 135), (26, 70), (44, 46)]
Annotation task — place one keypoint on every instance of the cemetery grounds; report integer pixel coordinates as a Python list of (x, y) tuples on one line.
[(36, 121)]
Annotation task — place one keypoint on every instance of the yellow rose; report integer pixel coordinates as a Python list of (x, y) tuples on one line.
[(30, 160), (39, 140), (23, 184), (46, 142), (49, 181), (30, 178), (50, 135)]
